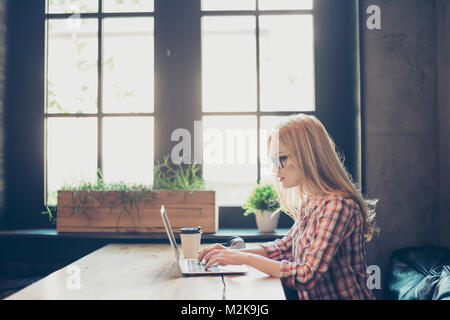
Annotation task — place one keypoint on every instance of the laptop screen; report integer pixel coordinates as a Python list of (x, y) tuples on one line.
[(170, 233)]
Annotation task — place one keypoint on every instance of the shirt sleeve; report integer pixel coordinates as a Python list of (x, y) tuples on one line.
[(330, 230), (281, 249)]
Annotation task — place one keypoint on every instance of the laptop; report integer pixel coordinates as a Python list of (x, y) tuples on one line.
[(192, 266)]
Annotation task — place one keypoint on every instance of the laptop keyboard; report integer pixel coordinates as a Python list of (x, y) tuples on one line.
[(195, 266)]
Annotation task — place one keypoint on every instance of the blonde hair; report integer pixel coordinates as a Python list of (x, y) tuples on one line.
[(321, 169)]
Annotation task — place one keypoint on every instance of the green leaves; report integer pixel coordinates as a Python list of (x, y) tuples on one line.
[(101, 185), (166, 176), (50, 212), (185, 177), (262, 197)]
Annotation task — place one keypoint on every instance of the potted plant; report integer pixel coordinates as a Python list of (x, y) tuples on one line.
[(128, 208), (263, 203)]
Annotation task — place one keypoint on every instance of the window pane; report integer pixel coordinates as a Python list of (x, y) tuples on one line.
[(71, 153), (72, 66), (229, 156), (285, 4), (229, 63), (72, 6), (128, 145), (128, 5), (228, 5), (267, 127), (128, 65), (287, 63)]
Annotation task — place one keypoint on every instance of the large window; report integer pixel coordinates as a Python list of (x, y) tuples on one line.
[(257, 67), (103, 84), (100, 92)]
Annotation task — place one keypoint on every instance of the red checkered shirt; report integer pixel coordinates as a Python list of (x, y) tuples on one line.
[(322, 255)]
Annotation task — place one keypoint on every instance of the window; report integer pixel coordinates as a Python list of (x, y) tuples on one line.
[(257, 67), (65, 102), (257, 58), (100, 92)]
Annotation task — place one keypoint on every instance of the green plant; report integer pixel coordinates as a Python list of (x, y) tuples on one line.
[(51, 214), (166, 176), (101, 185), (128, 196), (172, 177), (262, 197)]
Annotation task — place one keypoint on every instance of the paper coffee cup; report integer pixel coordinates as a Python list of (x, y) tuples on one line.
[(190, 241)]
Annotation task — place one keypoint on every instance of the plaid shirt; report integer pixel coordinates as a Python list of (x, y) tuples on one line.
[(322, 255)]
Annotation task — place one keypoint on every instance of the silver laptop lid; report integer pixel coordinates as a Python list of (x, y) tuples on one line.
[(169, 231)]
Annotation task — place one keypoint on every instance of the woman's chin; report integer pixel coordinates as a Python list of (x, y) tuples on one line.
[(285, 185)]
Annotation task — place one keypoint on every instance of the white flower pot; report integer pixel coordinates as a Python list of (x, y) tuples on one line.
[(266, 221)]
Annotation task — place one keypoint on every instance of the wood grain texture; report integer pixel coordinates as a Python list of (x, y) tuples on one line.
[(135, 211), (142, 272), (256, 285), (151, 199)]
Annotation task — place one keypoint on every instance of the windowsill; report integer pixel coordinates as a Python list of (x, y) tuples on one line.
[(250, 235)]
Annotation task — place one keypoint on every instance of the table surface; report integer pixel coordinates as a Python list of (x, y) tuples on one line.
[(143, 272)]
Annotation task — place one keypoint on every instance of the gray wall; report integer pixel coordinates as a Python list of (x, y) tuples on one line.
[(405, 124), (2, 98), (443, 76)]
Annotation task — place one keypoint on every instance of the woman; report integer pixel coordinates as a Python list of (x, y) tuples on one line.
[(322, 255)]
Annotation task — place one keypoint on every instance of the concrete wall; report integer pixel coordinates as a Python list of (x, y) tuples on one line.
[(2, 98), (406, 123), (443, 76)]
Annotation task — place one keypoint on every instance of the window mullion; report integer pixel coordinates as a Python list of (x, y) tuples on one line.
[(177, 71), (258, 98), (100, 92)]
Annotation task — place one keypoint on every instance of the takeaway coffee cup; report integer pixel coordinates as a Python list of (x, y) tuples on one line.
[(190, 241)]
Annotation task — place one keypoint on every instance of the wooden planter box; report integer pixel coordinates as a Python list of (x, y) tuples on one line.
[(135, 211)]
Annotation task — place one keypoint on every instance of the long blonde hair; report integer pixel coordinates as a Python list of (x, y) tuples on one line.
[(321, 169)]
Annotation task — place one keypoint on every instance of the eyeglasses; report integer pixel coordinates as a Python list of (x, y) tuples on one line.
[(278, 161)]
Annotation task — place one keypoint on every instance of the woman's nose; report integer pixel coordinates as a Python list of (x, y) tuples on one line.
[(275, 169)]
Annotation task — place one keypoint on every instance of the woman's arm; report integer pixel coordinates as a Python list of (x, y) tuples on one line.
[(264, 264), (281, 249), (252, 257), (208, 252), (257, 258), (259, 250), (332, 224)]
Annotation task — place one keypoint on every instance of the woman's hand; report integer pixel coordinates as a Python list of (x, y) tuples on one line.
[(221, 255), (204, 252), (256, 258)]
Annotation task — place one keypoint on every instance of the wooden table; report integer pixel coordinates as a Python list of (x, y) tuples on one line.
[(145, 271)]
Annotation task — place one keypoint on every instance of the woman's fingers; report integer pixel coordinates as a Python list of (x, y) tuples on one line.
[(227, 257), (207, 250), (203, 252), (216, 259), (212, 254)]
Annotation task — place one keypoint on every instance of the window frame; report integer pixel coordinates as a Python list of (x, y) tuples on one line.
[(257, 13), (99, 115), (337, 83)]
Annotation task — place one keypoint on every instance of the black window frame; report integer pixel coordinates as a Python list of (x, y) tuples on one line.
[(100, 115), (336, 82), (257, 13)]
